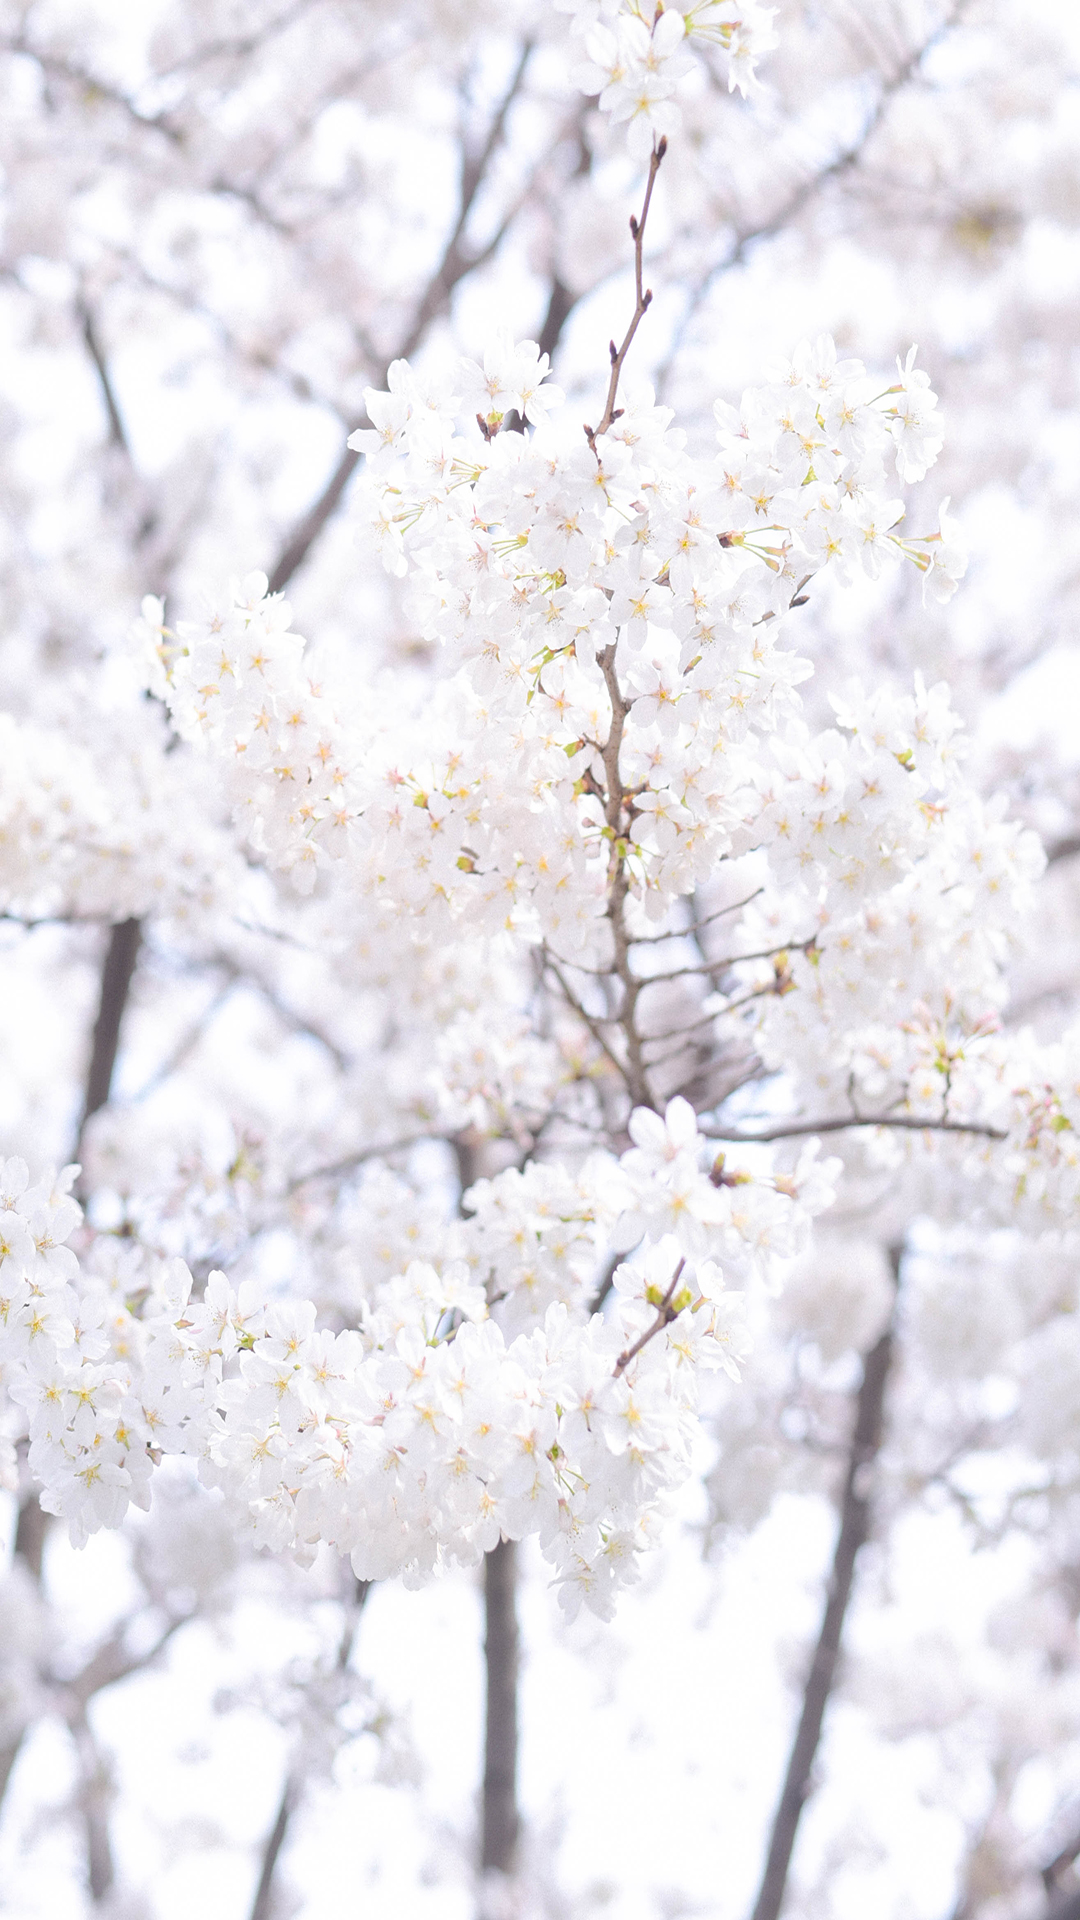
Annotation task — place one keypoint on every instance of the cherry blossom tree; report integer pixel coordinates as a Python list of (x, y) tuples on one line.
[(501, 964)]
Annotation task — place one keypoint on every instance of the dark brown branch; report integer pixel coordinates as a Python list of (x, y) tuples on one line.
[(797, 1129), (642, 303), (437, 298), (120, 957), (725, 961), (843, 162), (855, 1514), (264, 1892), (31, 1530), (1066, 1909), (30, 1533), (666, 1312), (561, 304), (122, 951), (684, 1035), (30, 923), (117, 433), (109, 1665), (452, 268), (8, 1757), (299, 544), (90, 86), (475, 166), (594, 1025), (262, 1906), (354, 1160), (1063, 1903), (237, 46), (95, 1793), (617, 823), (1064, 1858), (691, 932), (500, 1823), (607, 1281)]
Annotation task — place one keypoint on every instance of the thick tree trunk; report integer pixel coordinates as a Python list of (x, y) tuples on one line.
[(500, 1822), (855, 1514)]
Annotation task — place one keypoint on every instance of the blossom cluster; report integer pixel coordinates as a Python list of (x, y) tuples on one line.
[(882, 854), (612, 717), (608, 618), (639, 54), (617, 712), (431, 1426), (106, 826)]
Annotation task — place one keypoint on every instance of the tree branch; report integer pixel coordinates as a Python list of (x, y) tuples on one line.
[(561, 304), (261, 1906), (117, 433), (594, 1025), (618, 826), (666, 1312), (1066, 1909), (727, 960), (607, 1281), (353, 1160), (31, 1531), (841, 163), (855, 1514), (120, 957), (500, 1824), (797, 1129), (691, 932), (643, 301), (93, 86), (95, 1792), (109, 1665), (452, 267)]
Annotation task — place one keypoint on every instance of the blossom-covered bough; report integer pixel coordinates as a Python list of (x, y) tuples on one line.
[(710, 929)]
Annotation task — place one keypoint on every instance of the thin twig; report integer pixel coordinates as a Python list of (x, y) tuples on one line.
[(688, 933), (729, 960), (354, 1160), (665, 1314), (186, 1045), (594, 1025), (643, 301)]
